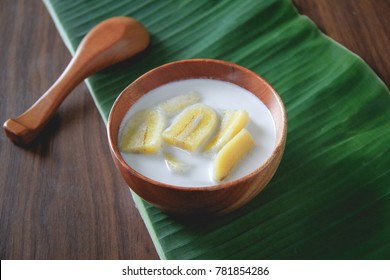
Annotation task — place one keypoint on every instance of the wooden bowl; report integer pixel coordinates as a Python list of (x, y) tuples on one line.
[(217, 199)]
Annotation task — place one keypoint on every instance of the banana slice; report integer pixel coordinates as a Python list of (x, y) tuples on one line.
[(176, 104), (175, 165), (142, 132), (231, 154), (232, 123), (191, 128)]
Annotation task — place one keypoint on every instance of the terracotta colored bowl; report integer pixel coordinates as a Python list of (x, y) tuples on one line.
[(221, 198)]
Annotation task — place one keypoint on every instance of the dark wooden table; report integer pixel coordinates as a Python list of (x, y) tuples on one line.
[(61, 197)]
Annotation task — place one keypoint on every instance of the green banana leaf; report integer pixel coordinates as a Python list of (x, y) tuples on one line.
[(330, 198)]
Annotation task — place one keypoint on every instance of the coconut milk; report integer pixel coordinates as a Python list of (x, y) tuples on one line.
[(220, 96)]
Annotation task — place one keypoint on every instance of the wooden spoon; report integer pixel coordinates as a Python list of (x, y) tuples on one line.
[(109, 42)]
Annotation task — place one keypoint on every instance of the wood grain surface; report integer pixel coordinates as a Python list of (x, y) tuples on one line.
[(61, 197)]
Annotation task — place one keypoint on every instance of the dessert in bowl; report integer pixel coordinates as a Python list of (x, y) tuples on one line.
[(198, 136)]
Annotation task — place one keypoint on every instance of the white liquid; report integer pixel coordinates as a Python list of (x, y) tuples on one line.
[(220, 96)]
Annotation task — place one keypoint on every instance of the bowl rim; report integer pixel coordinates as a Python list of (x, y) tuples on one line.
[(278, 148)]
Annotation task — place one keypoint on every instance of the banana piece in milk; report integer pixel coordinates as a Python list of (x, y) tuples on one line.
[(191, 128), (174, 164), (142, 132), (232, 123), (231, 154), (176, 104)]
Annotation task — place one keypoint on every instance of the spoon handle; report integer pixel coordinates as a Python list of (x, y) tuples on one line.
[(109, 42), (25, 127)]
